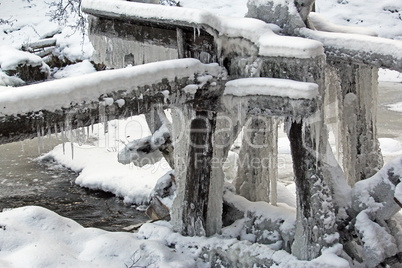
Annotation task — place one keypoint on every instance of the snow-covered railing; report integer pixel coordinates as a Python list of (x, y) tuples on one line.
[(77, 101), (255, 31), (272, 97)]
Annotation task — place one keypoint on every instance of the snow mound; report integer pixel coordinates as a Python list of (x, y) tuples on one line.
[(84, 67), (390, 146), (396, 107), (11, 58), (47, 239)]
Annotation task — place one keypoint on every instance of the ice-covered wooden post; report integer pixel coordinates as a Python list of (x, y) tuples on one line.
[(258, 160), (197, 208), (358, 117), (315, 226)]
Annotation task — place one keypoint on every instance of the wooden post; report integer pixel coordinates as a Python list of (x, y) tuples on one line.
[(315, 209)]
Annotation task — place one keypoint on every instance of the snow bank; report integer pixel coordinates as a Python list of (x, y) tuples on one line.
[(384, 16), (322, 24), (396, 107), (84, 67), (272, 87), (78, 89), (390, 146), (37, 237), (386, 75), (254, 30)]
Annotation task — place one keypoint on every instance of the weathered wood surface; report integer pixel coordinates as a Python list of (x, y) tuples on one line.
[(19, 123)]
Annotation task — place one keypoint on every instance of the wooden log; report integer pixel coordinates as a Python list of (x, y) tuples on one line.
[(43, 43), (137, 99)]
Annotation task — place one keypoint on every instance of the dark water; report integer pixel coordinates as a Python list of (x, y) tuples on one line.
[(25, 181)]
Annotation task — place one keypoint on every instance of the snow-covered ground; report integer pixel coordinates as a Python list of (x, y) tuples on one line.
[(36, 237)]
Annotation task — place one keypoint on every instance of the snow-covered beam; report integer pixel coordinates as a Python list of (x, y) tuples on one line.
[(356, 48), (272, 97), (81, 101), (254, 32)]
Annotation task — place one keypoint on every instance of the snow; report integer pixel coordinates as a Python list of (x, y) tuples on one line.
[(322, 24), (84, 67), (77, 89), (390, 146), (12, 81), (28, 21), (398, 192), (389, 76), (357, 43), (10, 58), (381, 16), (396, 107), (46, 239), (374, 195), (271, 87)]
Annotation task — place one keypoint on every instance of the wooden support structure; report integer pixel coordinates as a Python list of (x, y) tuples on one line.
[(207, 118)]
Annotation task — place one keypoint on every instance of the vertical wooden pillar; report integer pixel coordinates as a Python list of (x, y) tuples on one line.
[(361, 149), (315, 226), (258, 159), (195, 211)]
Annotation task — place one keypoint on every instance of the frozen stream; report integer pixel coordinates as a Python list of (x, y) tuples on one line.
[(24, 181)]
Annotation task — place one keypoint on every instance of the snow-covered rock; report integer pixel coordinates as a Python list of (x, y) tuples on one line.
[(375, 195), (28, 67)]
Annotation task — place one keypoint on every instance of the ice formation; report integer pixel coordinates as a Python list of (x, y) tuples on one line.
[(270, 76)]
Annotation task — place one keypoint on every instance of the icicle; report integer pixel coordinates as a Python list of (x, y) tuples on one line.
[(72, 143), (49, 135), (80, 136), (84, 137), (42, 137), (314, 123), (195, 36), (55, 131), (317, 130), (63, 139), (88, 132), (198, 31), (72, 151), (38, 136)]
